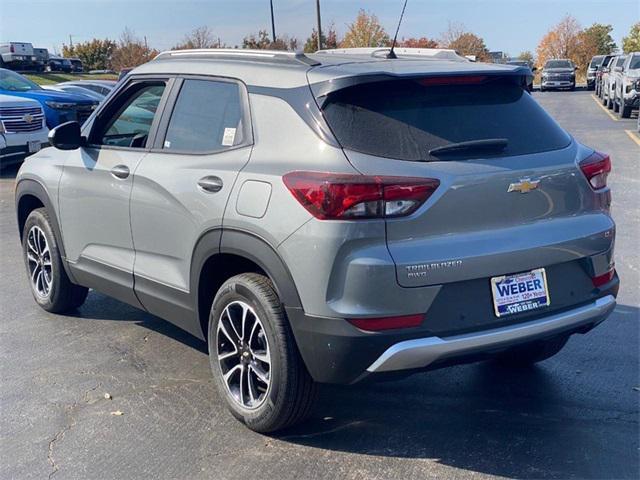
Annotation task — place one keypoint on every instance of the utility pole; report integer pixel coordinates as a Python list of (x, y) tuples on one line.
[(273, 23), (146, 47), (71, 41), (319, 25)]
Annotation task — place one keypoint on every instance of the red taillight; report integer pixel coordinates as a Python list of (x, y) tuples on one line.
[(457, 80), (596, 167), (387, 323), (601, 280), (334, 196)]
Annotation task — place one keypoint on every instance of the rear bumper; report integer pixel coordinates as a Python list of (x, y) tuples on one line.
[(334, 351), (420, 353), (558, 84)]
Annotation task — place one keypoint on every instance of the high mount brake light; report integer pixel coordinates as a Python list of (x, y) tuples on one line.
[(455, 80), (596, 167), (334, 196)]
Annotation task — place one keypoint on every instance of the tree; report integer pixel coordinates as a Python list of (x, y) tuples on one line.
[(632, 42), (95, 54), (527, 56), (131, 52), (422, 42), (201, 37), (597, 39), (262, 41), (458, 38), (365, 31), (562, 41), (329, 39)]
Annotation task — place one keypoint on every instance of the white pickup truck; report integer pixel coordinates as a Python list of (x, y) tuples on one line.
[(627, 87), (23, 129), (17, 56)]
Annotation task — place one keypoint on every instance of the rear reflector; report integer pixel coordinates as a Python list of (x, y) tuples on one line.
[(601, 280), (335, 196), (386, 323), (596, 167)]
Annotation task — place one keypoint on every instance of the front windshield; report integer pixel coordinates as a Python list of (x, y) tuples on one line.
[(620, 61), (558, 64), (635, 62), (14, 82)]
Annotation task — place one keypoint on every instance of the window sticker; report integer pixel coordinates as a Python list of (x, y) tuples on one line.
[(228, 137), (167, 144)]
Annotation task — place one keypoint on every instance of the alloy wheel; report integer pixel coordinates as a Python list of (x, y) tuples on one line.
[(39, 262), (243, 355)]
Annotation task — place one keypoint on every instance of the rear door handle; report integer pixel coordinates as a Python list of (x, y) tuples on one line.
[(211, 184), (120, 171)]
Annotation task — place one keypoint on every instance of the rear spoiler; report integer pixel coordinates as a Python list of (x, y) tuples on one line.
[(518, 75)]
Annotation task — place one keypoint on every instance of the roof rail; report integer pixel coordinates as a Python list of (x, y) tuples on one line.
[(381, 52), (268, 56)]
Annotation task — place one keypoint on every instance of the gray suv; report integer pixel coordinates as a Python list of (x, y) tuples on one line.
[(327, 218)]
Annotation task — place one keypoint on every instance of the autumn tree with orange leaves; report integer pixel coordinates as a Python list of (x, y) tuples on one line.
[(422, 42)]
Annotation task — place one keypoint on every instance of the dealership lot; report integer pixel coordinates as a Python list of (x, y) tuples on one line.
[(575, 415)]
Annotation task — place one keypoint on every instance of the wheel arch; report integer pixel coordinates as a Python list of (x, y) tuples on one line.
[(30, 195), (220, 254)]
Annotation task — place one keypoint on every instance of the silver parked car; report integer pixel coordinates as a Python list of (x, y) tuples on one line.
[(325, 218)]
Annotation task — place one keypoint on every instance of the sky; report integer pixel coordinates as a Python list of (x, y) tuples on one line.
[(506, 25)]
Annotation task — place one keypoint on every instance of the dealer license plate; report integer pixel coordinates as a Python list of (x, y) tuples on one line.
[(520, 293)]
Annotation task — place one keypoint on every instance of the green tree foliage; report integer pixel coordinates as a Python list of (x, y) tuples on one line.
[(365, 31), (95, 54), (597, 39), (631, 43)]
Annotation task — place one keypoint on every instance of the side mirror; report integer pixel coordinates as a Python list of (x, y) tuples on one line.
[(66, 136), (534, 69)]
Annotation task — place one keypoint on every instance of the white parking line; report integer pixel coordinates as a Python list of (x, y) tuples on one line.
[(597, 100), (633, 136)]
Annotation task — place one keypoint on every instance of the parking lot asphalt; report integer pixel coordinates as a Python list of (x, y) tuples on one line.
[(573, 416)]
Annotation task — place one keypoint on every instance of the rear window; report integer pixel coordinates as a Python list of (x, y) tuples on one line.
[(558, 64), (406, 119), (595, 61)]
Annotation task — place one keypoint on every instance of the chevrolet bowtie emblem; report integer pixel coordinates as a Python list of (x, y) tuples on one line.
[(524, 186), (28, 118)]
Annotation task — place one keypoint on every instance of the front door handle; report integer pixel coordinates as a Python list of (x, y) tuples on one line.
[(211, 184), (120, 171)]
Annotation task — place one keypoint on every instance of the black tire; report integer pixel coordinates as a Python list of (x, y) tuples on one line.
[(534, 352), (62, 295), (291, 393), (624, 111), (609, 103), (616, 105)]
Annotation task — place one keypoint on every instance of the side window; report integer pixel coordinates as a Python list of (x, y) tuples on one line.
[(207, 117), (130, 124)]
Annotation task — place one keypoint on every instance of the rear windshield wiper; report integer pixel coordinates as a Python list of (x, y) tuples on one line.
[(497, 144)]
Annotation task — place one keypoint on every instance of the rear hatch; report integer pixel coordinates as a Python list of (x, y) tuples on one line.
[(518, 203)]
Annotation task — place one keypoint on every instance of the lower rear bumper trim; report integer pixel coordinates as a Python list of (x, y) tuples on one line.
[(420, 353)]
